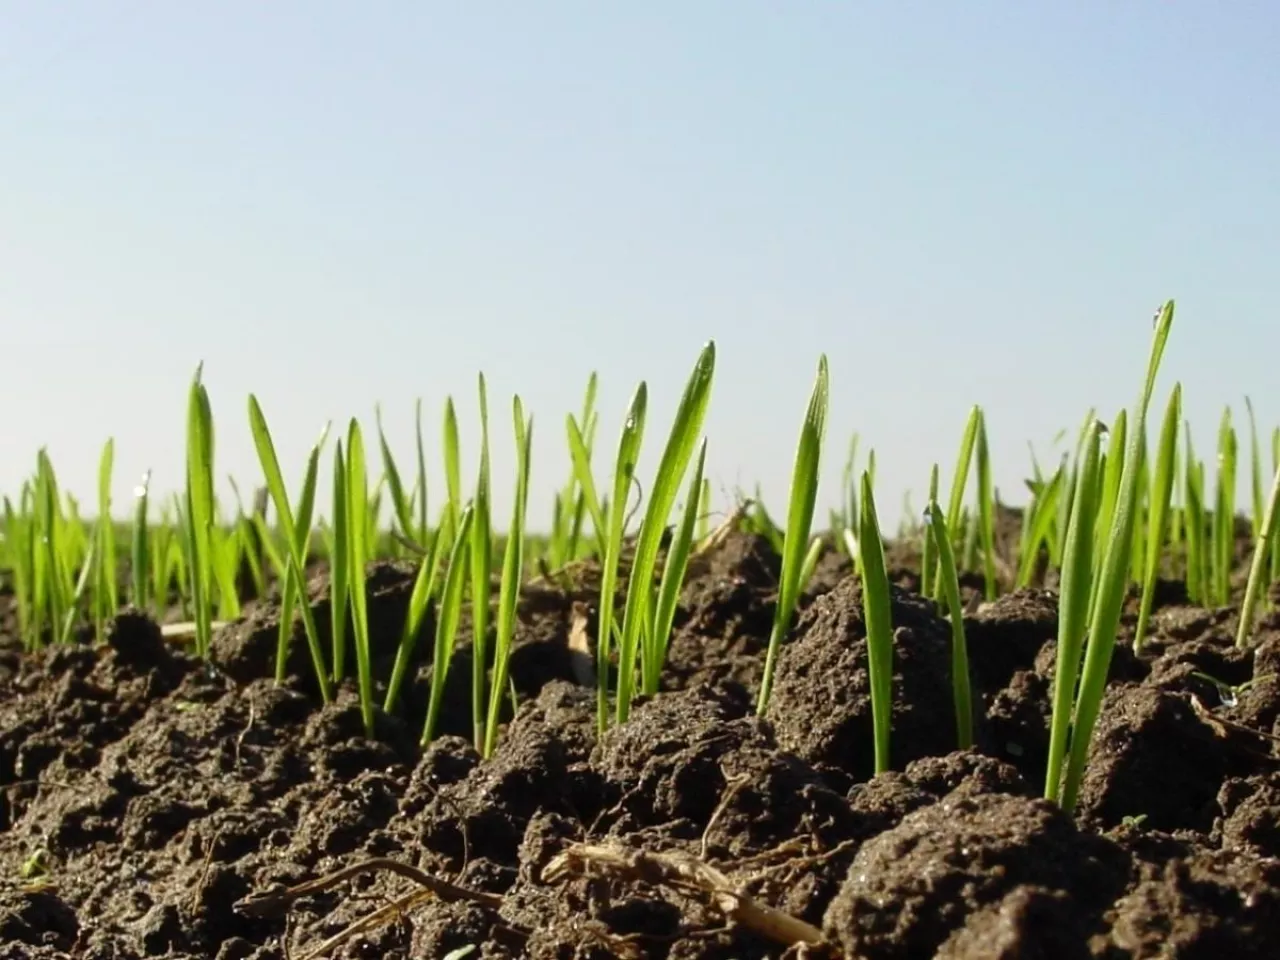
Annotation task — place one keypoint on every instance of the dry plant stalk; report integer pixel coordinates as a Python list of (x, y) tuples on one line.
[(685, 872), (275, 902)]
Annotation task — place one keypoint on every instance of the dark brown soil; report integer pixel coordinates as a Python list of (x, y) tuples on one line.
[(149, 802)]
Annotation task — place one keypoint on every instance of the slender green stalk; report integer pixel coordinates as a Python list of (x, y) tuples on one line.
[(140, 556), (512, 568), (764, 525), (986, 509), (673, 572), (54, 588), (962, 693), (638, 613), (339, 566), (804, 492), (420, 487), (1039, 525), (106, 599), (1036, 486), (581, 455), (571, 506), (1073, 605), (296, 539), (358, 554), (876, 613), (424, 587), (1068, 493), (930, 568), (809, 565), (481, 567), (1161, 493), (624, 471), (1224, 512), (224, 544), (79, 590), (452, 468), (19, 545), (959, 480), (199, 510), (1275, 468), (1197, 585), (1112, 580), (450, 612), (1262, 548), (1138, 549), (401, 503), (704, 511), (1112, 470), (1255, 471)]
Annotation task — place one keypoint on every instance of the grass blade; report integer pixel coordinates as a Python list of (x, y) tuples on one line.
[(481, 567), (512, 568), (624, 472), (1161, 494), (357, 556), (804, 492), (986, 509), (962, 694), (673, 573), (1073, 604), (876, 613), (200, 509), (666, 486), (447, 623), (339, 566), (1112, 581), (294, 555)]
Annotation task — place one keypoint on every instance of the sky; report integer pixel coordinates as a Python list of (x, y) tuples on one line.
[(337, 205)]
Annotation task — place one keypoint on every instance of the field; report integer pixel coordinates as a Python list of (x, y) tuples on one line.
[(1001, 732)]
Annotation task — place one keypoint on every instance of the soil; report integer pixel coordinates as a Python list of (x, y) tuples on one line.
[(152, 805)]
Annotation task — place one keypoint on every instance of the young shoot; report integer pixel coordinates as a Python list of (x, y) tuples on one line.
[(1112, 580), (962, 696), (481, 566), (1158, 514), (1073, 603), (359, 550), (140, 555), (623, 473), (199, 510), (296, 536), (959, 480), (673, 572), (1258, 566), (512, 570), (804, 493), (638, 614), (877, 615), (447, 622)]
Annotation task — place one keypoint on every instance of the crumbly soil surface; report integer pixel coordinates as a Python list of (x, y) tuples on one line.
[(151, 805)]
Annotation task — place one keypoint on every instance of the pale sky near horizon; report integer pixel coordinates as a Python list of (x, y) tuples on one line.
[(334, 205)]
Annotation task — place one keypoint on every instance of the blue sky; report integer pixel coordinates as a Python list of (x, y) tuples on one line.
[(334, 205)]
